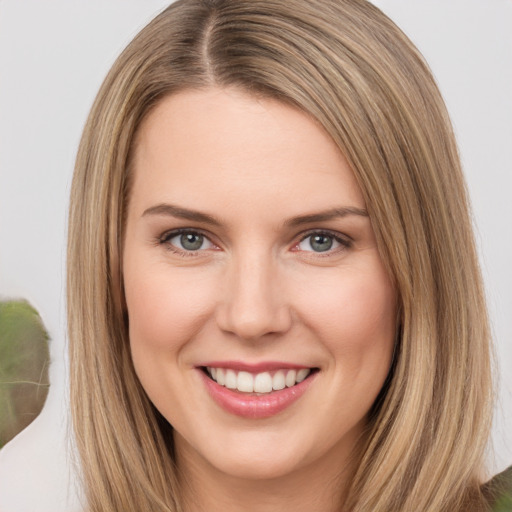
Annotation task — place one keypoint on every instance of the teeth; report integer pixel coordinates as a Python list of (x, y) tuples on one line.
[(278, 380), (290, 378), (231, 382), (262, 382), (302, 374), (221, 379), (245, 382)]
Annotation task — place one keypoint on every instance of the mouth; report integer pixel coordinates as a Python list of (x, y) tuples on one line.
[(249, 392), (260, 383)]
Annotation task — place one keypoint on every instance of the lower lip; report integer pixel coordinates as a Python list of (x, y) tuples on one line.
[(255, 406)]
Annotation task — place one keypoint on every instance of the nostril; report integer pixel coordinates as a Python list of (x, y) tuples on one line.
[(253, 305), (255, 325)]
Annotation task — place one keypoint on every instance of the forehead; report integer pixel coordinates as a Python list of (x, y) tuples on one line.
[(222, 146)]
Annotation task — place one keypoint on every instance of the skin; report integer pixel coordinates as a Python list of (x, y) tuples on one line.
[(255, 291)]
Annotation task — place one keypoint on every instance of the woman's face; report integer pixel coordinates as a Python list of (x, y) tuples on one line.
[(261, 317)]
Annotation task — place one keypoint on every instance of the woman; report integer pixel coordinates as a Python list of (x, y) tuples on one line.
[(274, 296)]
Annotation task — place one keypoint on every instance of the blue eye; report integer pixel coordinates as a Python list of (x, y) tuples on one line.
[(321, 242), (187, 241)]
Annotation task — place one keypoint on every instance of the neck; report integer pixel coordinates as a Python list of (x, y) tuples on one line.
[(316, 487)]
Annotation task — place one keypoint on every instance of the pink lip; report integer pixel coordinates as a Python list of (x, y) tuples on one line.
[(251, 405), (264, 366)]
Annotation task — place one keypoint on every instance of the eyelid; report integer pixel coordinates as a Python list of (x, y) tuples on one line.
[(165, 237), (343, 239)]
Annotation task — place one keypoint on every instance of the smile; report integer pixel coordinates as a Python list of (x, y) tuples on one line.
[(256, 392), (263, 382)]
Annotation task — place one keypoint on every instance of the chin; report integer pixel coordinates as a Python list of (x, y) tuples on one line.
[(269, 467), (247, 455)]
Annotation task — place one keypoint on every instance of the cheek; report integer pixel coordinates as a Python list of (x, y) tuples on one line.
[(165, 307), (354, 313)]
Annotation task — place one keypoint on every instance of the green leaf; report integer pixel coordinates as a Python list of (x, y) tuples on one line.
[(24, 361)]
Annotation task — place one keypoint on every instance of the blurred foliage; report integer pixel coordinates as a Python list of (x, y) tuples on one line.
[(24, 361), (504, 504), (502, 484)]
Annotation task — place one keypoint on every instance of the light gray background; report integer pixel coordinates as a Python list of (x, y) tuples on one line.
[(53, 57)]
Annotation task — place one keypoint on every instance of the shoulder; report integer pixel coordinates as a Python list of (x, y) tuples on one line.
[(498, 491)]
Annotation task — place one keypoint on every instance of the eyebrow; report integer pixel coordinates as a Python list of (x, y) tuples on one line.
[(181, 213), (333, 213), (194, 215)]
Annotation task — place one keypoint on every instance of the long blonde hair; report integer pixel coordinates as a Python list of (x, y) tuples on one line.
[(347, 65)]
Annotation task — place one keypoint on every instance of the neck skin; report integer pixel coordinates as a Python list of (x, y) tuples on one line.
[(321, 486)]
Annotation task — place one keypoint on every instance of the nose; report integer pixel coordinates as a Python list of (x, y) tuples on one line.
[(255, 300)]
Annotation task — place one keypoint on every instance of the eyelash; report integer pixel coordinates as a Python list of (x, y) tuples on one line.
[(168, 235), (345, 242)]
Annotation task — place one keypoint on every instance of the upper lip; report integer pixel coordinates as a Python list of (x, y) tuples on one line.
[(263, 366)]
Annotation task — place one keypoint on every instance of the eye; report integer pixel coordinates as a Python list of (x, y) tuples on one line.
[(186, 241), (321, 243)]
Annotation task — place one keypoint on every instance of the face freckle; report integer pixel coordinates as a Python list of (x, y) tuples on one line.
[(248, 250)]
